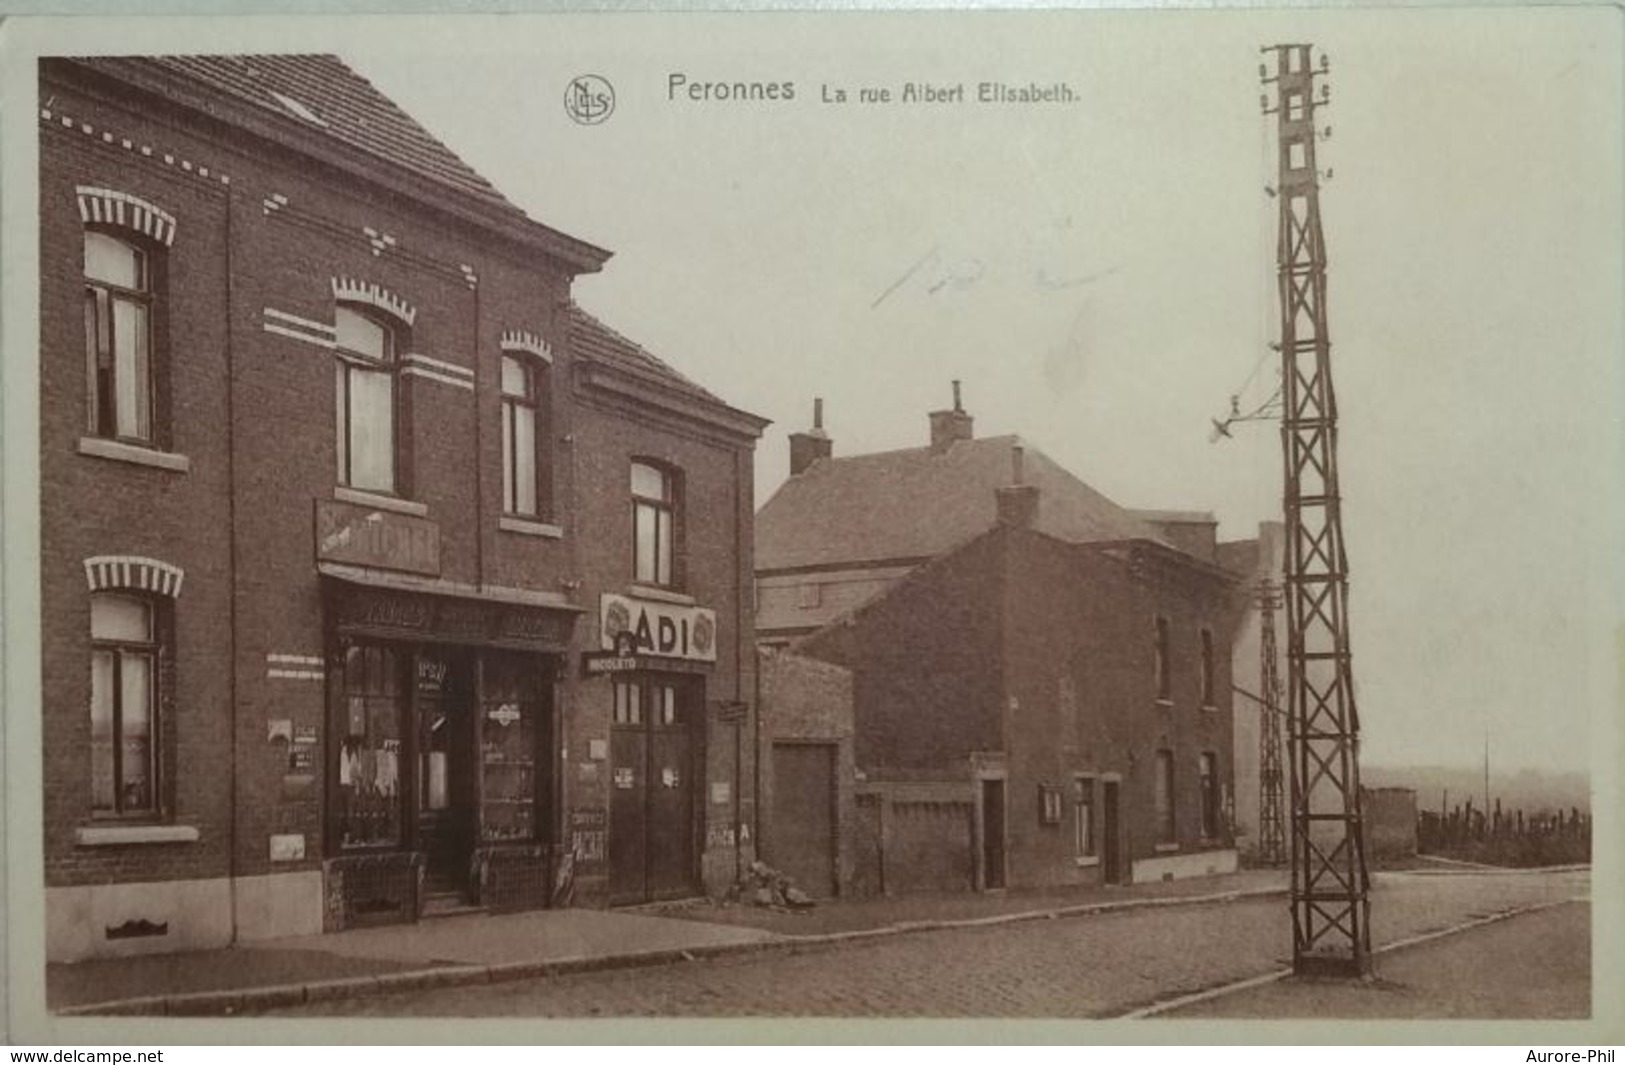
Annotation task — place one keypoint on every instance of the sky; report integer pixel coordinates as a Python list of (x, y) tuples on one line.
[(1100, 275)]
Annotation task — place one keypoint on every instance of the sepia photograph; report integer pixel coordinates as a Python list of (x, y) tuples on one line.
[(1076, 515)]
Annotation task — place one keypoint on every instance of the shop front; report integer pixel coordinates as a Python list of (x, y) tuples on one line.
[(442, 722), (656, 658)]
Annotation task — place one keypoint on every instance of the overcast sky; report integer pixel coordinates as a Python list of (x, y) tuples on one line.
[(1100, 275)]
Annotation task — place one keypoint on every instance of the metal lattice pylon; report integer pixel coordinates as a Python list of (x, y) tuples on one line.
[(1330, 906), (1271, 826)]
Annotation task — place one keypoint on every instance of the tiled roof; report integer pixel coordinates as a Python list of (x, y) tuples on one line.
[(326, 96), (1177, 517), (918, 503), (594, 341)]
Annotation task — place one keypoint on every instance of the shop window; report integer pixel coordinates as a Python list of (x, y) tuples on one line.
[(1209, 795), (1083, 818), (124, 705), (524, 437), (654, 524), (119, 295), (369, 750), (509, 725), (366, 399), (1164, 800), (1164, 678), (1208, 691)]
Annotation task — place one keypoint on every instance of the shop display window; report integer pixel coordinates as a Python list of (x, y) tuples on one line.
[(369, 750), (508, 728)]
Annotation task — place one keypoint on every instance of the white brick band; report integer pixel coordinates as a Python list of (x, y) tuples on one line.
[(445, 379), (437, 365)]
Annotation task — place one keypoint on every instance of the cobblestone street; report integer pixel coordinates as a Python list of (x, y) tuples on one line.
[(1083, 967)]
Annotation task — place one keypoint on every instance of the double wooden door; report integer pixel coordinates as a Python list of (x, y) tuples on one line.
[(653, 759)]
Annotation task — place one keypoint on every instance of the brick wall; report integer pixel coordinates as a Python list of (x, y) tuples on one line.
[(97, 506), (926, 664), (716, 510), (254, 408)]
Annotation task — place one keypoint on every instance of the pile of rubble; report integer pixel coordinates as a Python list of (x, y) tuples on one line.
[(765, 886)]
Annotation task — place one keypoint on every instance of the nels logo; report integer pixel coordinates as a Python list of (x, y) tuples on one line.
[(589, 99)]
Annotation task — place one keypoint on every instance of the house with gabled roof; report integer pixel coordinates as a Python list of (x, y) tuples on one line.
[(1039, 678), (380, 579)]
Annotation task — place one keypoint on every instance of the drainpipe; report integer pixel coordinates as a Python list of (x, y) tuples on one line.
[(231, 562)]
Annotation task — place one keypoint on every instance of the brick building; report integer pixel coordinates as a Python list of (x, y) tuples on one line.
[(379, 578), (1254, 562), (1040, 681)]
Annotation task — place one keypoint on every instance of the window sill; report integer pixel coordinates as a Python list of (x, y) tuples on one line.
[(1209, 708), (1166, 704), (1084, 863), (530, 527), (121, 835), (380, 502), (134, 454), (1166, 848), (650, 591)]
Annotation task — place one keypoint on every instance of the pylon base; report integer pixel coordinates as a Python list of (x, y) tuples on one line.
[(1334, 966)]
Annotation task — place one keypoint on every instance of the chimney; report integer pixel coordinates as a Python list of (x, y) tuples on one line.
[(1018, 500), (950, 425), (814, 444)]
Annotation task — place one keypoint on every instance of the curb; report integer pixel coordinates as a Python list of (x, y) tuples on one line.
[(280, 996), (1469, 869), (1276, 975)]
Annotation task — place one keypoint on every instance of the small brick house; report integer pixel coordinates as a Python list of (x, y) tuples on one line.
[(1040, 679), (379, 579)]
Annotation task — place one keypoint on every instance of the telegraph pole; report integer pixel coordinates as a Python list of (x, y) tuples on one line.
[(1271, 831), (1330, 906)]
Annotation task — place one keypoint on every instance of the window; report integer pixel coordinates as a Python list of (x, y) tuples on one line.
[(1295, 106), (657, 699), (1164, 680), (118, 338), (654, 520), (123, 706), (1207, 668), (628, 704), (365, 391), (509, 726), (523, 430), (1210, 796), (1164, 782), (1083, 817), (369, 750), (1049, 805)]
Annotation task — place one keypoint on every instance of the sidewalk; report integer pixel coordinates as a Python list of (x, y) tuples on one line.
[(481, 948)]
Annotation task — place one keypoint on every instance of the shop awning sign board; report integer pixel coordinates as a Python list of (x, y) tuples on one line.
[(666, 630)]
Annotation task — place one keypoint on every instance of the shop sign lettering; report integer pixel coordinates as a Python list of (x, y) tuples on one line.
[(381, 538), (669, 630)]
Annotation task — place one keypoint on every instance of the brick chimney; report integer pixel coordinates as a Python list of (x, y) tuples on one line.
[(814, 444), (1018, 500), (950, 425)]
